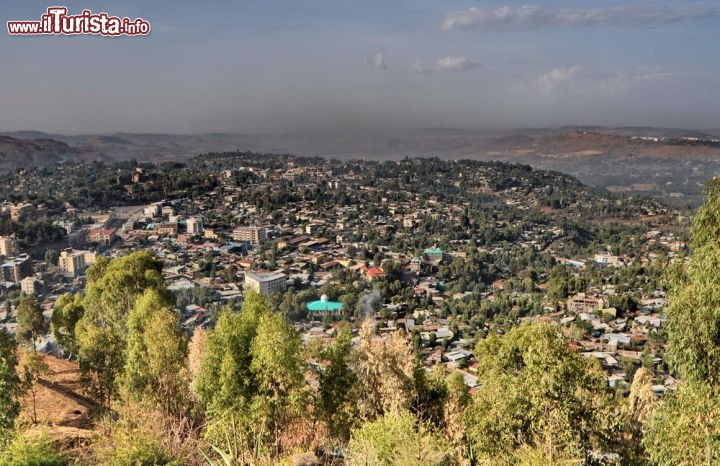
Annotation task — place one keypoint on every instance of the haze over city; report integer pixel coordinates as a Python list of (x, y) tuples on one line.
[(360, 232), (363, 67)]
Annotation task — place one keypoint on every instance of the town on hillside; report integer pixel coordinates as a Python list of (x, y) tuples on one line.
[(444, 252)]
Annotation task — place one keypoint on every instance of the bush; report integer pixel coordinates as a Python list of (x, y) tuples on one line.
[(32, 450), (133, 448)]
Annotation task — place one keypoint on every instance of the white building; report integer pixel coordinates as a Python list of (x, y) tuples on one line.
[(31, 285), (266, 283), (195, 226), (9, 246), (153, 210)]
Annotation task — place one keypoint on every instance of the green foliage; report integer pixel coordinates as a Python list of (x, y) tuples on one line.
[(278, 369), (32, 450), (557, 288), (113, 287), (232, 448), (51, 256), (686, 428), (10, 385), (693, 318), (30, 319), (30, 368), (336, 394), (225, 381), (155, 356), (251, 375), (543, 455), (534, 386), (431, 389), (67, 312), (684, 431), (396, 438), (130, 444), (705, 230)]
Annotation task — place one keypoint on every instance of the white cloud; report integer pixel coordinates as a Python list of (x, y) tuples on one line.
[(449, 63), (577, 80), (536, 17), (621, 80), (558, 77), (377, 60)]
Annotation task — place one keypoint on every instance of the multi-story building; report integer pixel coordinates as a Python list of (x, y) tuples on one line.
[(266, 283), (194, 226), (252, 235), (16, 268), (9, 246), (102, 236), (582, 302), (153, 210), (31, 286), (311, 228), (169, 229), (73, 263), (211, 233), (20, 211)]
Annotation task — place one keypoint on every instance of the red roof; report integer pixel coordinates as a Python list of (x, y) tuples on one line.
[(373, 271), (102, 231)]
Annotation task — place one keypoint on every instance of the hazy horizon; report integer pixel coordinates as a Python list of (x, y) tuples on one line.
[(366, 67)]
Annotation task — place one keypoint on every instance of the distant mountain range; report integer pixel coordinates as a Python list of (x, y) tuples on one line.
[(19, 153), (655, 161)]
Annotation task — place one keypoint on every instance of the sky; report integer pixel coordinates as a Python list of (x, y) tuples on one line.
[(345, 66)]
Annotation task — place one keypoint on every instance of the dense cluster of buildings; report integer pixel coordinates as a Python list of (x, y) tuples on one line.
[(224, 244)]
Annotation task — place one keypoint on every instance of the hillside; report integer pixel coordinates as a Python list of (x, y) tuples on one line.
[(672, 164), (61, 407), (22, 153)]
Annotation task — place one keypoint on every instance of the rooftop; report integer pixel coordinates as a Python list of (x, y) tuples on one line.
[(265, 276), (324, 304)]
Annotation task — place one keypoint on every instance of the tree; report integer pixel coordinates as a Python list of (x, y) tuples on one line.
[(10, 385), (155, 356), (67, 311), (224, 382), (686, 428), (385, 369), (336, 403), (33, 449), (196, 353), (637, 411), (397, 438), (51, 256), (112, 289), (251, 378), (683, 431), (557, 288), (278, 368), (31, 322), (31, 367), (457, 400), (534, 387)]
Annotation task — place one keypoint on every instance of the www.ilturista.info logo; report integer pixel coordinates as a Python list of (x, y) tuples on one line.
[(57, 21)]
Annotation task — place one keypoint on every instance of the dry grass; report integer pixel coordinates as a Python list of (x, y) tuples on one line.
[(62, 409)]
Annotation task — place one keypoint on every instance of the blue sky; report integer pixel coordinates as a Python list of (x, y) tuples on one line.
[(348, 66)]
